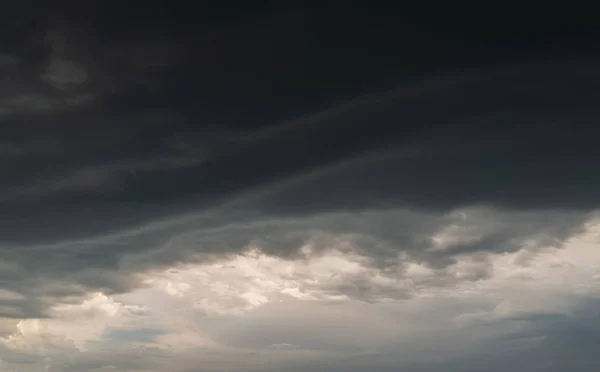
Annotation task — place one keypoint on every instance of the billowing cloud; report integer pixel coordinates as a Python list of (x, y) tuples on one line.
[(290, 311), (165, 207)]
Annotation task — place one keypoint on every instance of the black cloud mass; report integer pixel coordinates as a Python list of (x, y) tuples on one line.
[(135, 139)]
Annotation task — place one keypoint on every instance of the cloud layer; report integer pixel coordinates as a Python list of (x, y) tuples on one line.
[(164, 207), (332, 305)]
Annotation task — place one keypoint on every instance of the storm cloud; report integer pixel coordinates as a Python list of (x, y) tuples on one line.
[(223, 197)]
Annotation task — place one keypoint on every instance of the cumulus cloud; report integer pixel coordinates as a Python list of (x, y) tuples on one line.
[(382, 242), (274, 310)]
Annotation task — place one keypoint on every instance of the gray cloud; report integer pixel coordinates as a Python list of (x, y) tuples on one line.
[(108, 263), (438, 202), (460, 285), (106, 211), (459, 144), (547, 342)]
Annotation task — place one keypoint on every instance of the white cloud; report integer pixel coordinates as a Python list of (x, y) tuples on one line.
[(72, 325), (263, 311)]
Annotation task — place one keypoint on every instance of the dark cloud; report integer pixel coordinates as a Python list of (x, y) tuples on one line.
[(518, 138), (196, 135), (87, 187), (44, 273), (104, 132)]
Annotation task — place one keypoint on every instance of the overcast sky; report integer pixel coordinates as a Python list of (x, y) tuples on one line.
[(258, 188)]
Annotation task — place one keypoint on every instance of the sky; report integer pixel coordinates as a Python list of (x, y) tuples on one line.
[(298, 188)]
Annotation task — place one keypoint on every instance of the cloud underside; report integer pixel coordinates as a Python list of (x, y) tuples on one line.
[(514, 137), (337, 290)]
